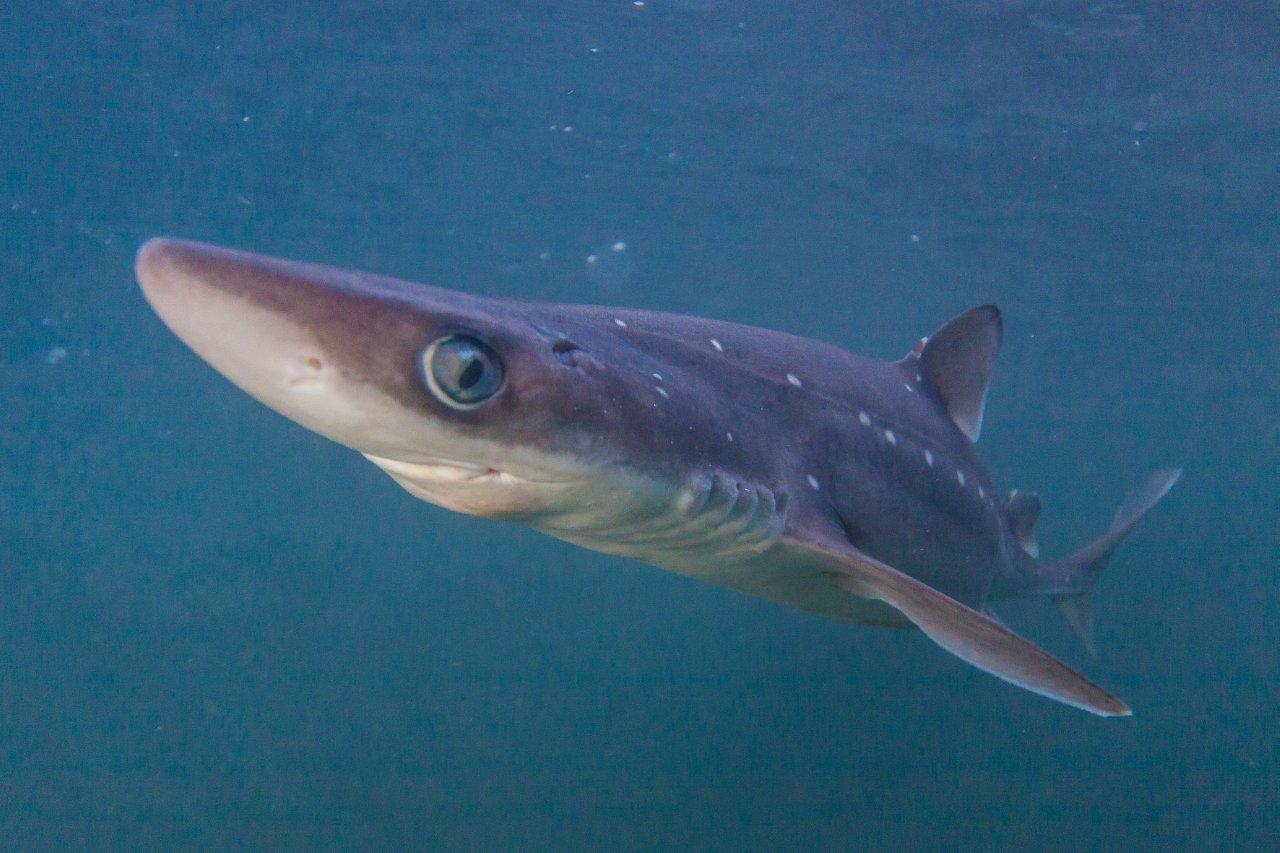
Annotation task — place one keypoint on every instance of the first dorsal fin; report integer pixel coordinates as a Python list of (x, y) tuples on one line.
[(1022, 509), (956, 364)]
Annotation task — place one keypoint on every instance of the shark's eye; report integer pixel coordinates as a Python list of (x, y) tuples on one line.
[(461, 371)]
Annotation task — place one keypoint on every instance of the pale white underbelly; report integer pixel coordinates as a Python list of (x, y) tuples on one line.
[(714, 527)]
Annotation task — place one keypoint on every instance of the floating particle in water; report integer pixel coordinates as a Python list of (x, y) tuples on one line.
[(55, 355), (544, 256), (591, 259), (915, 238), (619, 246)]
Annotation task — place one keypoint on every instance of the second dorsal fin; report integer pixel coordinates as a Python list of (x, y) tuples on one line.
[(956, 364), (1022, 509)]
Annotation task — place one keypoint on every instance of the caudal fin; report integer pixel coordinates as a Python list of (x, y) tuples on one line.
[(1079, 573)]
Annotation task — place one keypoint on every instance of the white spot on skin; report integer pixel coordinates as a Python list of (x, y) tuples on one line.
[(729, 436), (717, 345), (928, 458), (864, 419), (890, 437), (591, 259), (908, 387), (795, 380), (813, 482), (662, 392), (982, 493), (657, 376), (621, 324), (619, 246), (960, 477)]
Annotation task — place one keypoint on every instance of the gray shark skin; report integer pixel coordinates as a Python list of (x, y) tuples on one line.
[(775, 465)]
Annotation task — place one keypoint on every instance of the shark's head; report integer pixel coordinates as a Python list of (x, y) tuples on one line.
[(482, 406)]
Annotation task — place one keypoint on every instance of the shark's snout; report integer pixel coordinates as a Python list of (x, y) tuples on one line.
[(308, 341), (240, 314)]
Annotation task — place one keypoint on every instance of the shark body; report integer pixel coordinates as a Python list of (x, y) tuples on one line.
[(775, 465)]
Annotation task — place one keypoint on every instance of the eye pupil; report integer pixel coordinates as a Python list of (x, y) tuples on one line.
[(471, 374), (461, 371)]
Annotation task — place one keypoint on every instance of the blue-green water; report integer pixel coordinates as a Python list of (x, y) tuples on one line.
[(219, 630)]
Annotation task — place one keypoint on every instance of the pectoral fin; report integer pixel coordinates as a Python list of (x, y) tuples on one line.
[(963, 631)]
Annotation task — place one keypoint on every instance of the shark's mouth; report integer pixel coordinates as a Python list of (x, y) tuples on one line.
[(436, 471), (445, 471), (481, 489)]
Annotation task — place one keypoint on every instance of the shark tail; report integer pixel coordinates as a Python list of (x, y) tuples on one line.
[(1078, 574)]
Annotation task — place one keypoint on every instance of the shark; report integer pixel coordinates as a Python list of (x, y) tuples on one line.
[(767, 463)]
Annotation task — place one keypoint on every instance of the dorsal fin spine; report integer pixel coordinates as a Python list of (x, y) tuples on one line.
[(1022, 509)]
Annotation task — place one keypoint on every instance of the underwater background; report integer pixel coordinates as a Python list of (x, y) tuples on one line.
[(219, 630)]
